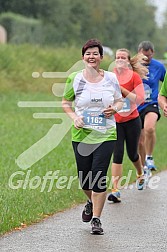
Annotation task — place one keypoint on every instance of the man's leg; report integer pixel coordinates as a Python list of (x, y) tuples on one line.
[(150, 134), (150, 138)]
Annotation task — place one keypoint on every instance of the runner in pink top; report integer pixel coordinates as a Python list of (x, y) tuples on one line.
[(129, 73)]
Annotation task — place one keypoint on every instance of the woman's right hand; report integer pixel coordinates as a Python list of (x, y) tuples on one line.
[(78, 122)]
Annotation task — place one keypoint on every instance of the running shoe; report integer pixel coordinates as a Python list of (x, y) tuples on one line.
[(115, 196), (96, 227), (150, 164), (87, 212), (141, 181), (147, 174)]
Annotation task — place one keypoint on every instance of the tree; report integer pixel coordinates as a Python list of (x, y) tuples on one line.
[(117, 23)]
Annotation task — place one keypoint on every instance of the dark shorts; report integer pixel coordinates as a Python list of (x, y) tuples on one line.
[(150, 108), (92, 164)]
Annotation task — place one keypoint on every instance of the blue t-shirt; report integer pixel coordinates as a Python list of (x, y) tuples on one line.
[(151, 86)]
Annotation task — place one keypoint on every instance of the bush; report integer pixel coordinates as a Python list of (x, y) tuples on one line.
[(21, 29)]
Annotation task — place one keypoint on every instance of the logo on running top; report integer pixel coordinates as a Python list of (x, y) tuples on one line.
[(95, 100)]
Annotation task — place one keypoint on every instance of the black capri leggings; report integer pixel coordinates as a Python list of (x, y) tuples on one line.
[(92, 164), (128, 132)]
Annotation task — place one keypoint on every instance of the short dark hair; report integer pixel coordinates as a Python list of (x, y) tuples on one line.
[(146, 45), (92, 43)]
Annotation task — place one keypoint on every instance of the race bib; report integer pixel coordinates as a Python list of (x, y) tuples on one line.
[(148, 92), (126, 105), (94, 120)]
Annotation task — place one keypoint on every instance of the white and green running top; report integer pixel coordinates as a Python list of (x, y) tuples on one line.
[(163, 89), (90, 99)]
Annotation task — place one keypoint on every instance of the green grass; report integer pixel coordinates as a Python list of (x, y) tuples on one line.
[(18, 62), (19, 131)]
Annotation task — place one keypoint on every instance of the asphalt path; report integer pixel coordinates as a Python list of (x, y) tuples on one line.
[(138, 223)]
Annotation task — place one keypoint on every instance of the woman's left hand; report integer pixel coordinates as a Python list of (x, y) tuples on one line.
[(108, 112)]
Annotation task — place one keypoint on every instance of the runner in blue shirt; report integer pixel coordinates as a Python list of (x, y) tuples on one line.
[(149, 110)]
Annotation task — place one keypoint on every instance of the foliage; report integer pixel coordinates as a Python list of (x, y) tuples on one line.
[(116, 23), (21, 29)]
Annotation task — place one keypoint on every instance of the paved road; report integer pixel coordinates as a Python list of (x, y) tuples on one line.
[(138, 223)]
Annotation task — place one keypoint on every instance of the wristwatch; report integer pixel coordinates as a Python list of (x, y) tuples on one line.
[(115, 108)]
